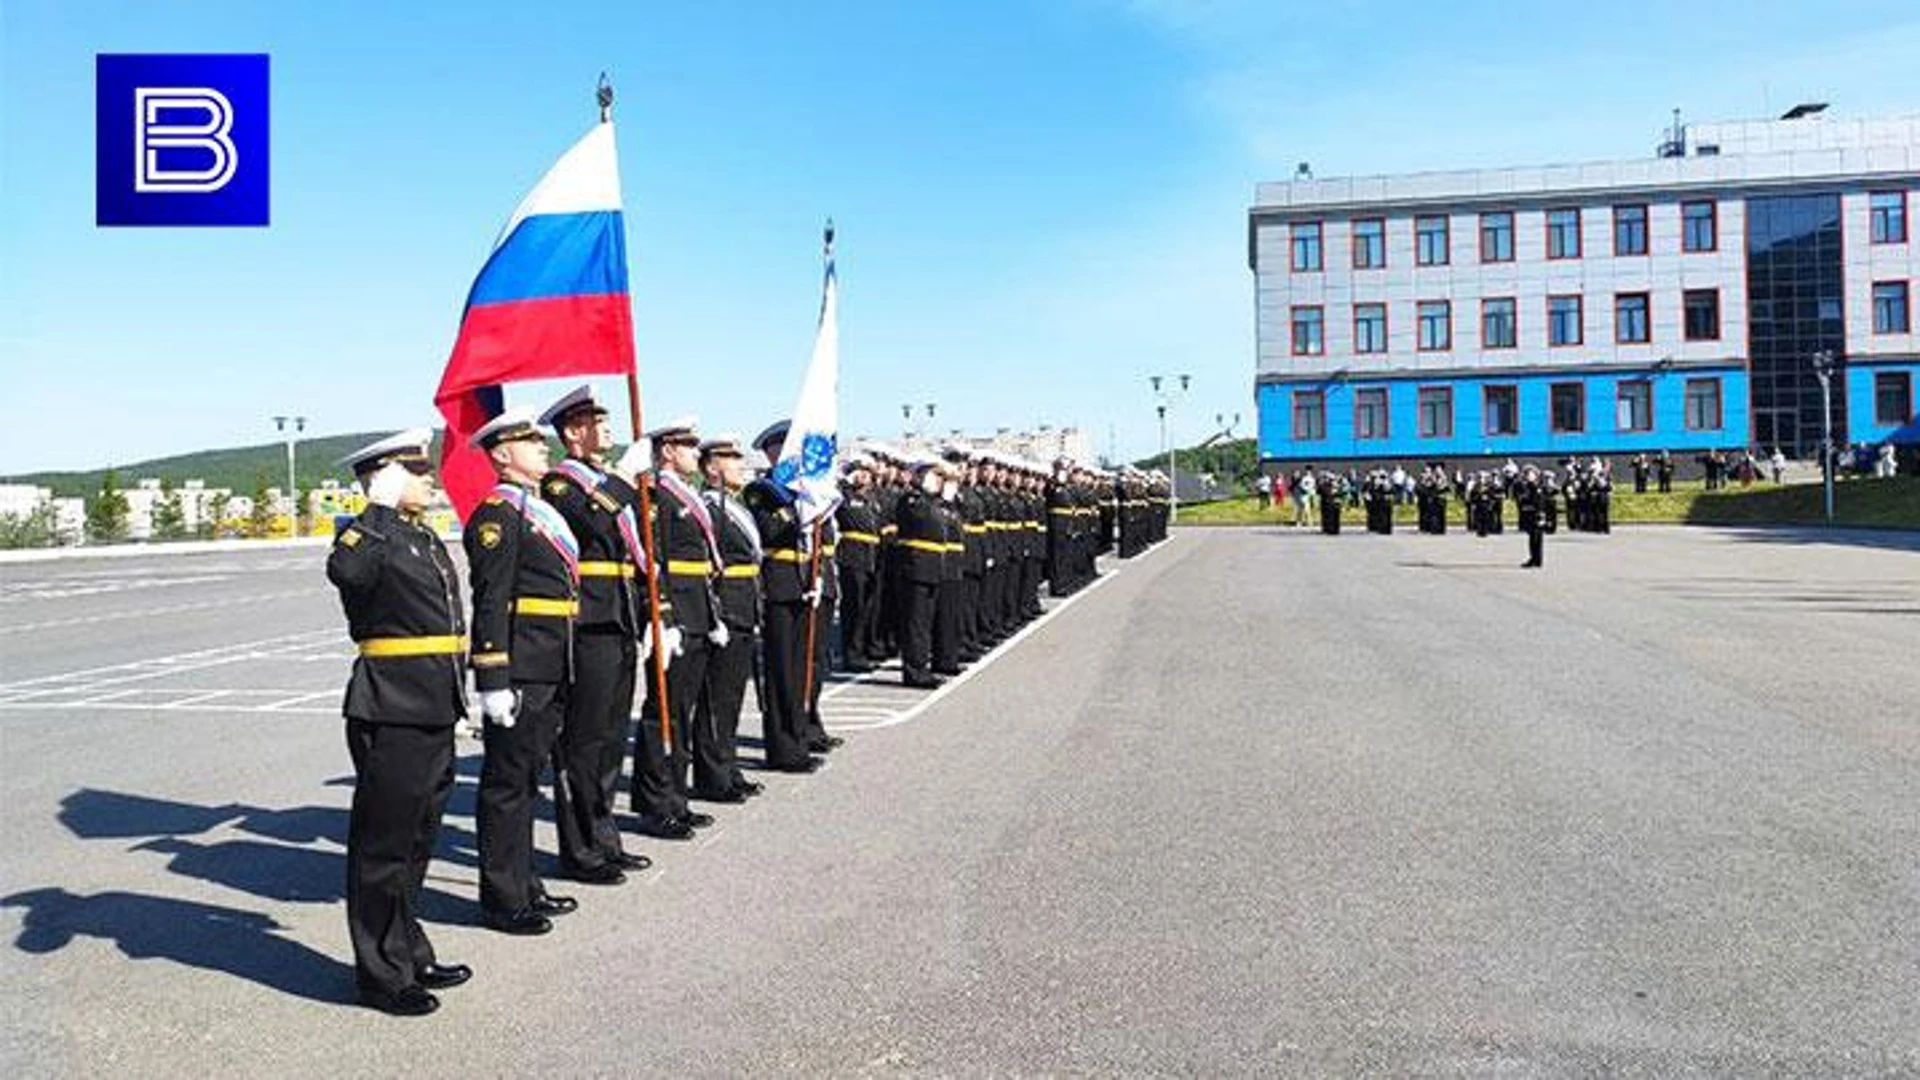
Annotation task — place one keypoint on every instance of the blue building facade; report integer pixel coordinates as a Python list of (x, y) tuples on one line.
[(1504, 414), (1880, 400)]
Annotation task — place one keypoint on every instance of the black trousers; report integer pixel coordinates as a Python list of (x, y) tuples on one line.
[(402, 777), (592, 747), (660, 790), (783, 649), (1536, 545), (919, 602), (716, 721), (811, 729), (509, 789), (946, 626), (857, 612)]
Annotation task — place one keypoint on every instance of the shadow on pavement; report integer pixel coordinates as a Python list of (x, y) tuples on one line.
[(1879, 539), (229, 940)]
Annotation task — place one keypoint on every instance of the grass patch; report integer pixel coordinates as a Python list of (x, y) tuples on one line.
[(1893, 504)]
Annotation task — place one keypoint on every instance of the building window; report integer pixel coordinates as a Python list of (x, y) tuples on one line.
[(1563, 320), (1630, 318), (1309, 415), (1636, 405), (1568, 402), (1496, 237), (1309, 337), (1892, 398), (1436, 412), (1563, 234), (1703, 405), (1630, 230), (1502, 410), (1698, 229), (1430, 241), (1369, 328), (1370, 412), (1436, 325), (1702, 314), (1890, 307), (1498, 323), (1369, 244), (1306, 247), (1888, 212)]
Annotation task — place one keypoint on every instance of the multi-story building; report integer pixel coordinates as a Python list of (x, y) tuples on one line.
[(1043, 444), (1676, 302)]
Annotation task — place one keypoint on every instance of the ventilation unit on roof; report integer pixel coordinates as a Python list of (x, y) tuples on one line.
[(1707, 149)]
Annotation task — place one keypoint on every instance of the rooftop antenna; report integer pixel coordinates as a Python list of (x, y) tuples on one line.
[(1303, 171)]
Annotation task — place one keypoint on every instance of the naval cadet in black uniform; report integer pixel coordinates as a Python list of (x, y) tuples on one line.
[(684, 544), (1529, 496), (401, 594), (859, 565), (524, 563), (735, 637), (599, 504), (923, 556), (786, 603)]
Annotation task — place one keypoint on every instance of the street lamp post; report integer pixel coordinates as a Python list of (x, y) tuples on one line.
[(1169, 396), (291, 427), (1823, 369)]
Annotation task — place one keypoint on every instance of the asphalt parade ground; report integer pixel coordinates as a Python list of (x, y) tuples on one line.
[(1260, 803)]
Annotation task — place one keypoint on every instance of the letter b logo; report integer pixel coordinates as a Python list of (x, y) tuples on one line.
[(181, 140)]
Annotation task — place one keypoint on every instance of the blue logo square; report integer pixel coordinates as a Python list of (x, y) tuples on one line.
[(180, 139)]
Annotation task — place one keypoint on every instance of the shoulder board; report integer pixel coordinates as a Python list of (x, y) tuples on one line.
[(493, 500), (556, 484)]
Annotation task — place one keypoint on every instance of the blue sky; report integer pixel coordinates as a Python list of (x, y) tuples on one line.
[(1040, 203)]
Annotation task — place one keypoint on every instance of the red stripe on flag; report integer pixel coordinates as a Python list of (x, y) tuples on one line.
[(549, 338)]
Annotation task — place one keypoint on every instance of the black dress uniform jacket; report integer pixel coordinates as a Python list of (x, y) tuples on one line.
[(522, 591), (611, 594), (398, 584)]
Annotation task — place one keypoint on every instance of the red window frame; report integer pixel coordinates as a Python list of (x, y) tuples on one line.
[(1386, 320), (1419, 328), (1579, 225), (1713, 219), (1646, 298), (1579, 320), (1686, 330), (1353, 242), (1513, 305), (1293, 339)]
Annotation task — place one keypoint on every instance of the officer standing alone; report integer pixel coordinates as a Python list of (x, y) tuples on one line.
[(402, 599)]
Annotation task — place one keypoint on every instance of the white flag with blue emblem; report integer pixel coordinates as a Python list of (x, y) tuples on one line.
[(809, 458)]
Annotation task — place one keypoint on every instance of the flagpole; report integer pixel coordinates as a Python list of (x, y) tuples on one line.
[(604, 95), (813, 608)]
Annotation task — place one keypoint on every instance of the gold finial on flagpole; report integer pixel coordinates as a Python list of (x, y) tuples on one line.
[(604, 94)]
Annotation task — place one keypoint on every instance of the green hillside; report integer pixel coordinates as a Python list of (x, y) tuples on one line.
[(236, 468)]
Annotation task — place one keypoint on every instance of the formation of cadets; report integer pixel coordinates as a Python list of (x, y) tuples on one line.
[(677, 576), (1584, 487)]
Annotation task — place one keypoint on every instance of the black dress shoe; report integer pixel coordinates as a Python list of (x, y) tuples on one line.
[(605, 874), (627, 861), (522, 923), (856, 667), (444, 976), (694, 819), (407, 1001), (665, 828), (826, 745), (731, 795), (553, 905), (923, 682), (748, 788), (969, 656), (805, 765), (949, 672)]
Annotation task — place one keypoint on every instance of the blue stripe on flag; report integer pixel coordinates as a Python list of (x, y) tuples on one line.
[(550, 255)]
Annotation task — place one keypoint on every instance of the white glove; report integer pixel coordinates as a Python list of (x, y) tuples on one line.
[(637, 459), (500, 706), (646, 644), (720, 635), (671, 635), (386, 484)]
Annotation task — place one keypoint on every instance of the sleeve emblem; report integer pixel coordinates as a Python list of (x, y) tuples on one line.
[(490, 534), (350, 538)]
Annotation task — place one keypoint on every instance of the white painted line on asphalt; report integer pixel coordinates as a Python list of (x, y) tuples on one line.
[(143, 613), (1006, 647)]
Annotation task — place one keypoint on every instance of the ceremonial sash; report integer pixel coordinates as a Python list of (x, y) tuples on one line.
[(628, 522), (697, 507), (741, 517), (546, 521)]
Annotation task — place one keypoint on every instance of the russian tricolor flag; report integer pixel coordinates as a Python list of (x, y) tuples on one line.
[(551, 302)]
